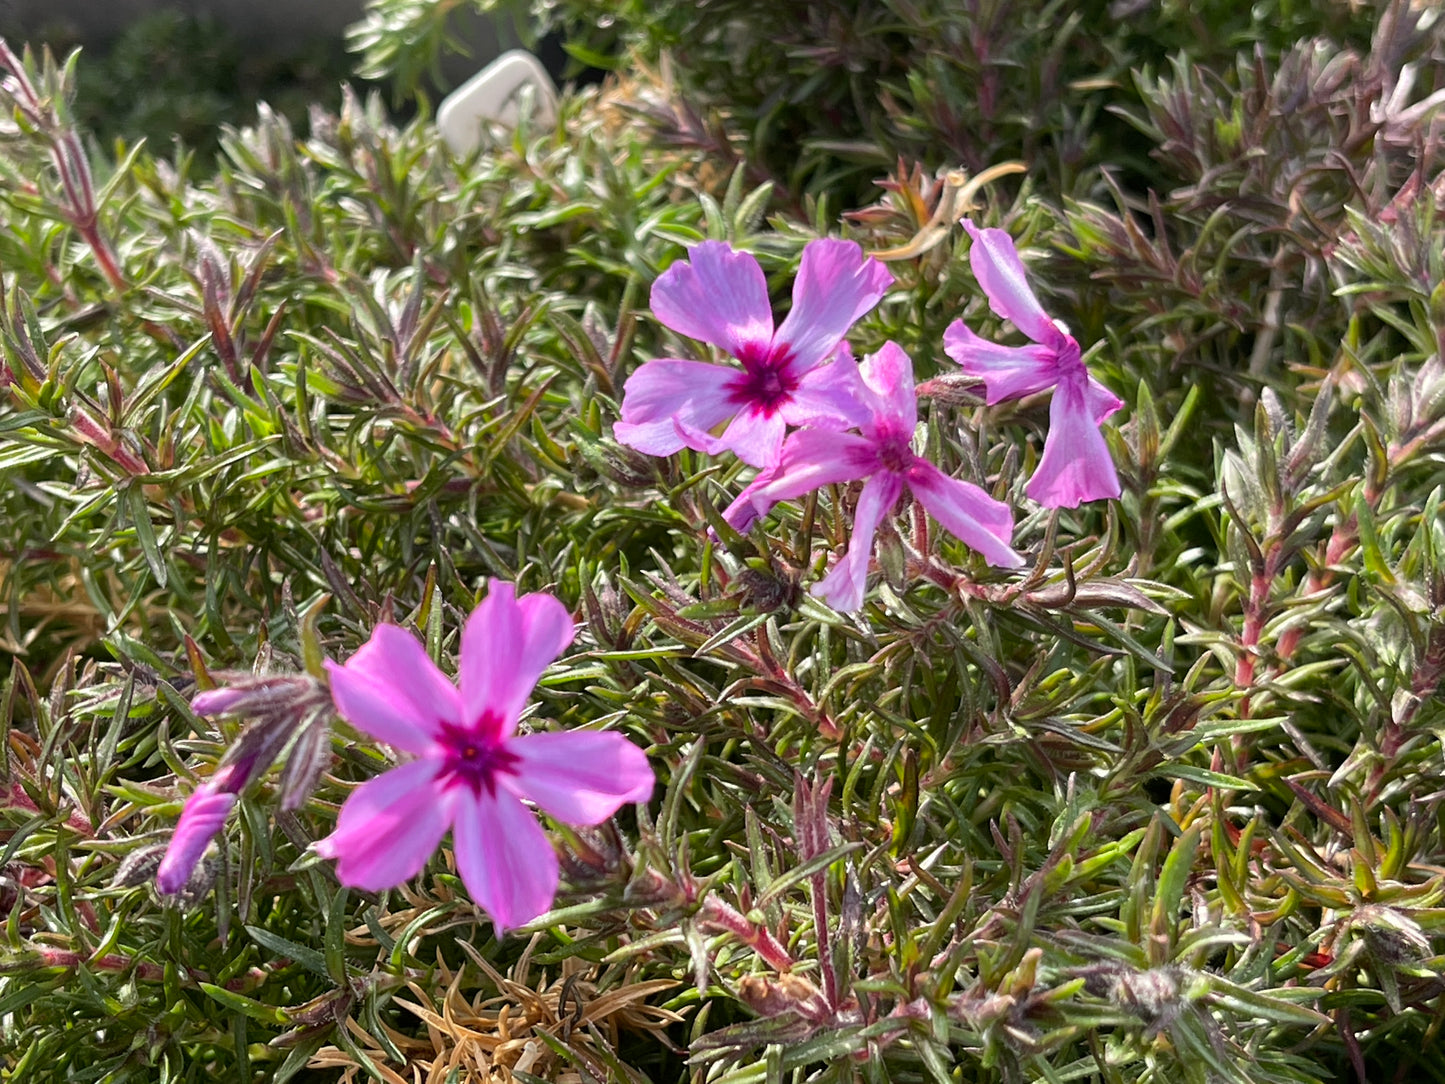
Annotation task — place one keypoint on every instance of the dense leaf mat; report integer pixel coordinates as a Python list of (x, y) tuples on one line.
[(1163, 806)]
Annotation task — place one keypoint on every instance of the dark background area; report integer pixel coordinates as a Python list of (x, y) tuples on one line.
[(175, 72)]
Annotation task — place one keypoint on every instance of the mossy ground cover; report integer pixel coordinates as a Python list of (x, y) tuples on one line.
[(1164, 806)]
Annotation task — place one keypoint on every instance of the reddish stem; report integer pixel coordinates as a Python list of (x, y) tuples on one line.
[(14, 797), (720, 916)]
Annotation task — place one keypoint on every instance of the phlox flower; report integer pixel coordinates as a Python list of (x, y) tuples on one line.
[(882, 453), (204, 815), (720, 296), (1076, 465), (471, 770)]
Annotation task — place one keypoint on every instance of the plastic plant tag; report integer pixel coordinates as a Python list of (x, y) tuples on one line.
[(495, 94)]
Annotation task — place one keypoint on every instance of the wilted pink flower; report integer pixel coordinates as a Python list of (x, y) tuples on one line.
[(204, 815), (471, 770), (883, 454), (720, 296), (279, 706), (1076, 465)]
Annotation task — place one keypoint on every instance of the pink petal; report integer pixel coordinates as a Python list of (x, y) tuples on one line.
[(1076, 465), (1000, 273), (1102, 402), (888, 374), (392, 690), (746, 509), (843, 587), (389, 827), (835, 286), (217, 701), (661, 438), (828, 397), (204, 815), (716, 295), (506, 644), (665, 400), (1007, 372), (754, 437), (970, 514), (505, 860), (581, 776), (813, 458)]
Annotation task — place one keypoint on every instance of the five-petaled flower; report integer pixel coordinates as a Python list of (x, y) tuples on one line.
[(471, 770), (882, 452), (1076, 465), (720, 296)]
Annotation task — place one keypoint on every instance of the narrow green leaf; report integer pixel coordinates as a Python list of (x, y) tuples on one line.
[(1169, 891), (256, 1010), (798, 874), (145, 531), (308, 958)]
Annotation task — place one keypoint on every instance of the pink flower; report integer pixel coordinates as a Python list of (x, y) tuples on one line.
[(720, 296), (1076, 465), (204, 815), (471, 770), (883, 454)]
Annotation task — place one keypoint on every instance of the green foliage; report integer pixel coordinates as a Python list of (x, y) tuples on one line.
[(1163, 807), (837, 90)]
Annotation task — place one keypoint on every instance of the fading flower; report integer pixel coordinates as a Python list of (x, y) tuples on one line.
[(882, 453), (204, 815), (720, 296), (280, 707), (471, 770), (1076, 465)]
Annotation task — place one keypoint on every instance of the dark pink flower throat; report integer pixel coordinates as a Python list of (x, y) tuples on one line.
[(474, 759), (769, 382), (895, 454)]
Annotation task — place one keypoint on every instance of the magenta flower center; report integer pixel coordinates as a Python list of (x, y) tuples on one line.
[(894, 449), (1070, 359), (473, 759), (768, 382)]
